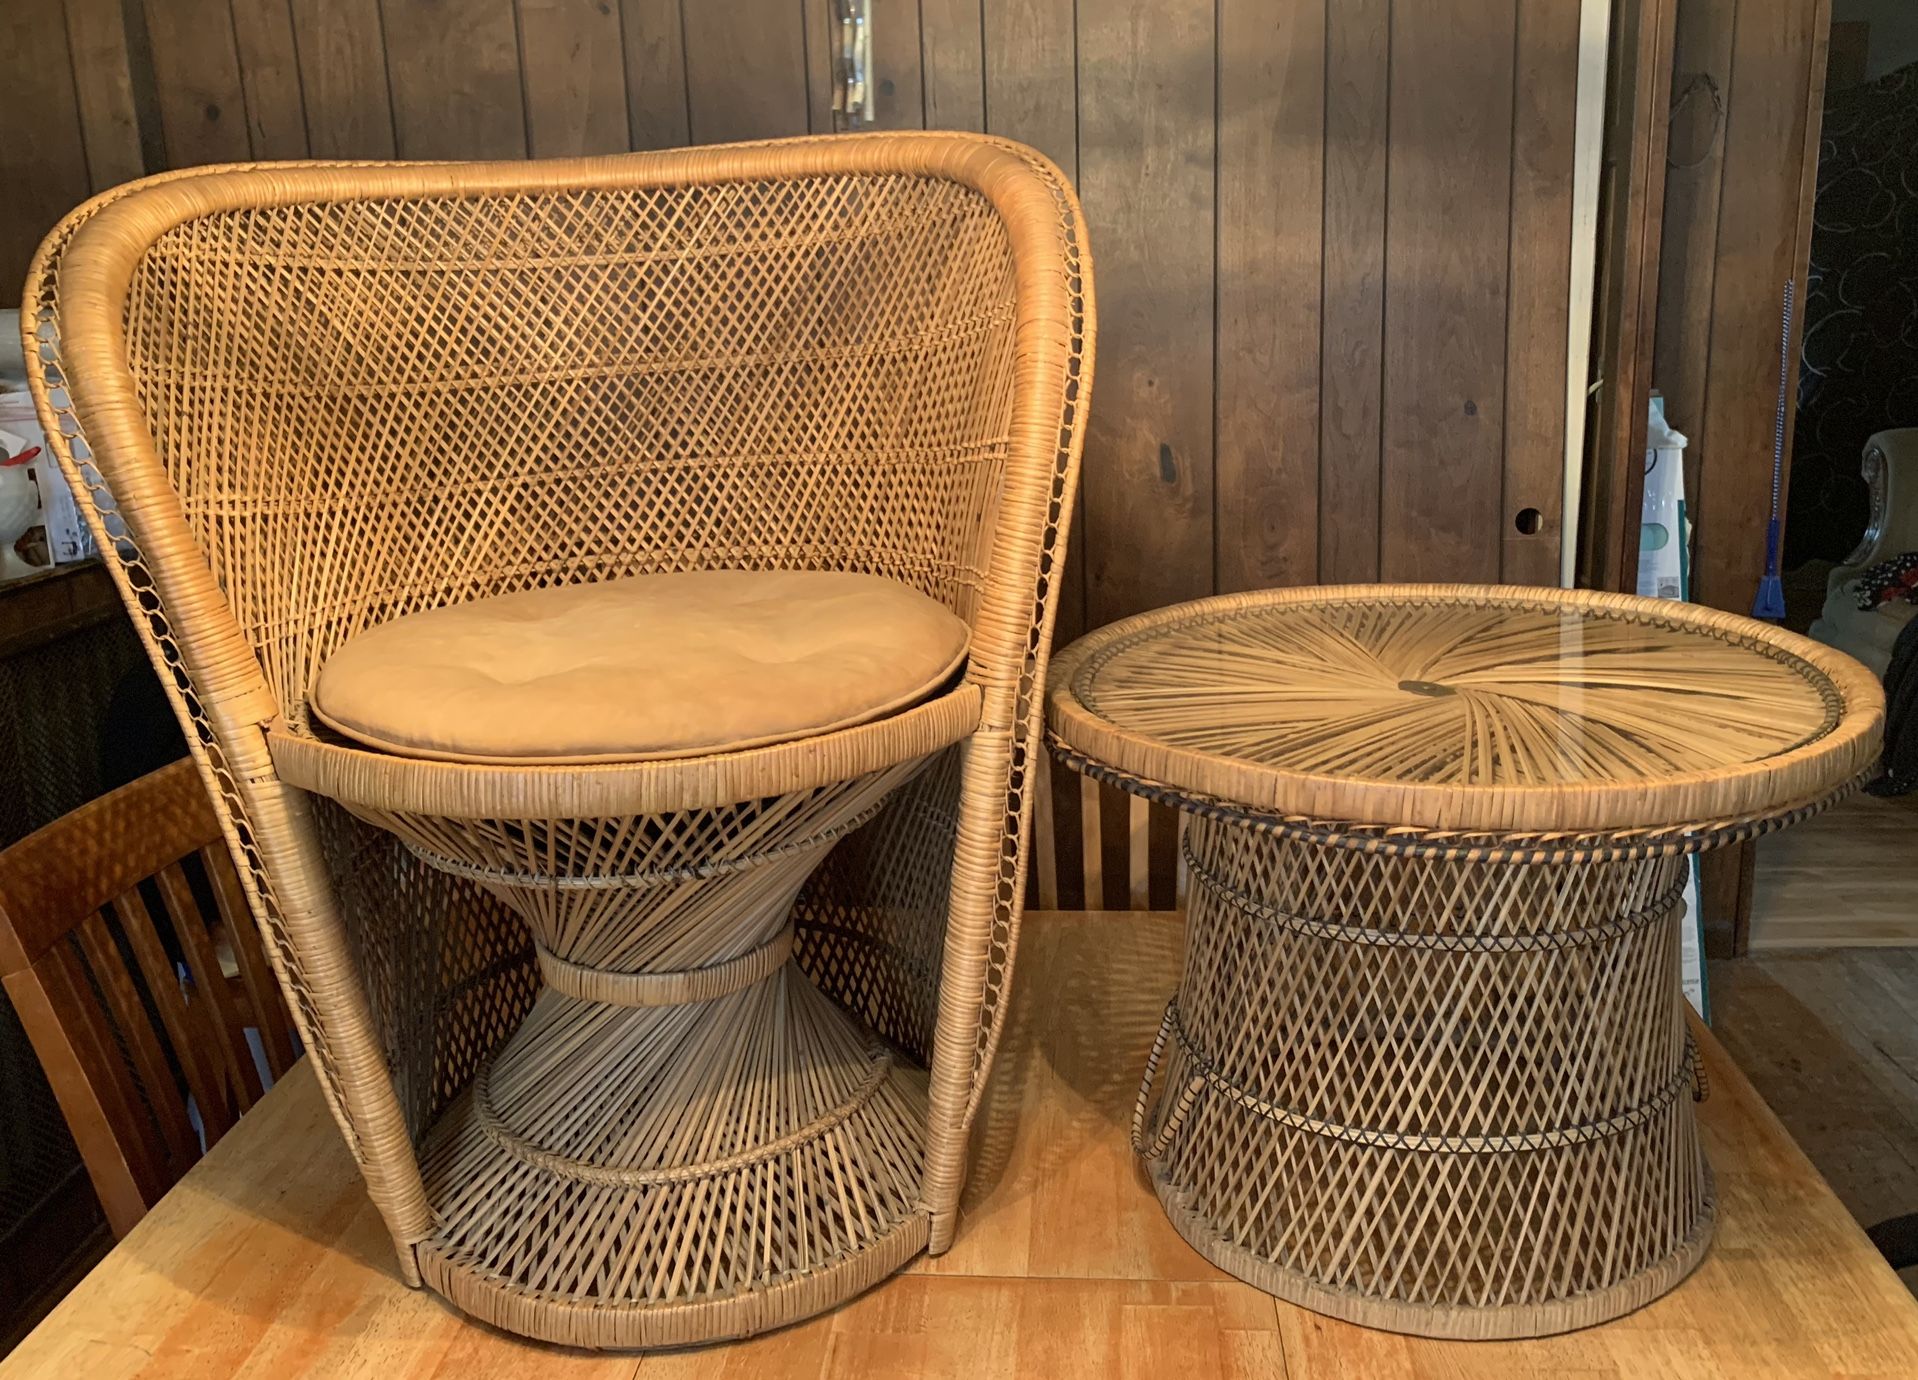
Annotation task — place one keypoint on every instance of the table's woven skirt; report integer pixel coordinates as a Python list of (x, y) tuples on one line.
[(1438, 1094)]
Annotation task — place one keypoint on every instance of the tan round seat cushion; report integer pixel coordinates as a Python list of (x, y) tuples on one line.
[(649, 667)]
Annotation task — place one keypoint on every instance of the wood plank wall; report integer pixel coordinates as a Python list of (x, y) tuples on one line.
[(1747, 96), (1331, 236)]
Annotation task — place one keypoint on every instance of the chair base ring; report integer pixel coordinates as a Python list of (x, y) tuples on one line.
[(587, 1323)]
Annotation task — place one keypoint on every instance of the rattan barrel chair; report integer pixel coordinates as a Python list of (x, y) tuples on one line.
[(650, 1040)]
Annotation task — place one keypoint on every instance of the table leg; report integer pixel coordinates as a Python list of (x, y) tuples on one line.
[(1443, 1094)]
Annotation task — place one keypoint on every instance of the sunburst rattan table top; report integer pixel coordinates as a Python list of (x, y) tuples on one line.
[(1469, 707)]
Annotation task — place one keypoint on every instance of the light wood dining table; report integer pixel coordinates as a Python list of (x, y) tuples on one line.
[(267, 1259)]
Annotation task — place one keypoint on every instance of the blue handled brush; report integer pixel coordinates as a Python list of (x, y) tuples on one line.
[(1770, 600)]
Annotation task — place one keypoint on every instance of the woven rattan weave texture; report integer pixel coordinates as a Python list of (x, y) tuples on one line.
[(1428, 1068), (552, 1008)]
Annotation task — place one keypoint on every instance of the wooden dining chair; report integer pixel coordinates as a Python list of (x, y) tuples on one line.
[(128, 951)]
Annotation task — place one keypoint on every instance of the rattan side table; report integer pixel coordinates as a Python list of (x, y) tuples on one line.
[(1428, 1066)]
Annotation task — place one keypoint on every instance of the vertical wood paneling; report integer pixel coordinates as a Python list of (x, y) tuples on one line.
[(655, 53), (1447, 226), (1694, 191), (952, 56), (1357, 105), (43, 166), (571, 53), (823, 35), (1538, 306), (1767, 106), (746, 70), (1270, 210), (454, 70), (202, 102), (269, 78), (349, 113), (103, 84), (898, 95), (1146, 174), (1031, 67)]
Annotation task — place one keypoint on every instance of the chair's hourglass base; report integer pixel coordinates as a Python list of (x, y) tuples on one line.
[(684, 1141), (698, 1172), (1445, 1091)]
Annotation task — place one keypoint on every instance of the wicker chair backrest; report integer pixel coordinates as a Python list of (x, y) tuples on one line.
[(370, 406)]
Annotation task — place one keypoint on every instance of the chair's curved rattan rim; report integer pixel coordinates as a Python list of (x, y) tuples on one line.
[(465, 790), (1810, 771)]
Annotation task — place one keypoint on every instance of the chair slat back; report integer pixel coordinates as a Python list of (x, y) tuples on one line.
[(118, 926)]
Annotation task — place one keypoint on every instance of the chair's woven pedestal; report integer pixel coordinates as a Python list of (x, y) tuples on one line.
[(1428, 1066), (684, 1140)]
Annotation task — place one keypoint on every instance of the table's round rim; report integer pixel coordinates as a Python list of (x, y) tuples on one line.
[(1747, 791)]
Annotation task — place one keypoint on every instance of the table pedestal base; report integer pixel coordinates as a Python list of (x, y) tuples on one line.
[(1442, 1091), (1507, 1321)]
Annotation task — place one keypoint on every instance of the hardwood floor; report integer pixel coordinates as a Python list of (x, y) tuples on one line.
[(1848, 876), (1829, 1037)]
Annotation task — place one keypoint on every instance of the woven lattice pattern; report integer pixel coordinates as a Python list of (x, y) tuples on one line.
[(413, 929), (1466, 1085), (1428, 1068), (1465, 708), (577, 882), (680, 1097), (590, 384), (311, 400), (797, 1186), (1435, 692), (870, 923)]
